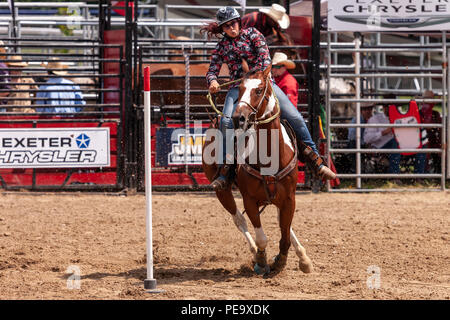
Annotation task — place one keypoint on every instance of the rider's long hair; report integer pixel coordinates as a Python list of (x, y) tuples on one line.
[(213, 29)]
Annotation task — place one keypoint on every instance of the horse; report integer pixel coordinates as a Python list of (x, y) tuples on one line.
[(177, 54), (257, 189)]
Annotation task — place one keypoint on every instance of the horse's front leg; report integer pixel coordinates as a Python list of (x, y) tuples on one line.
[(227, 200), (305, 263), (285, 215), (241, 224), (251, 207)]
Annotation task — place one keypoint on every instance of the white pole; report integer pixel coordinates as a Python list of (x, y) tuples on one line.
[(149, 283)]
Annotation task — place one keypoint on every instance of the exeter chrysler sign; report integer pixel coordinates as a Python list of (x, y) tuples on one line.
[(54, 148), (388, 15)]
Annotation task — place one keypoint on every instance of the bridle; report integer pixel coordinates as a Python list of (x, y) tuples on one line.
[(259, 121), (255, 110)]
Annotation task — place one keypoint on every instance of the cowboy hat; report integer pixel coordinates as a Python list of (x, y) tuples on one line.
[(16, 61), (428, 94), (2, 47), (56, 64), (281, 58), (277, 13), (367, 104)]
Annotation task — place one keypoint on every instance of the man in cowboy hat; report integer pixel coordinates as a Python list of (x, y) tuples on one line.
[(58, 91), (285, 80), (4, 80), (21, 98), (268, 20)]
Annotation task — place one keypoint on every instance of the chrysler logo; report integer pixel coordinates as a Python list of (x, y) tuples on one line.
[(394, 22)]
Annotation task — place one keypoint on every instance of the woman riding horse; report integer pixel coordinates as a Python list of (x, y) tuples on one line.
[(250, 45)]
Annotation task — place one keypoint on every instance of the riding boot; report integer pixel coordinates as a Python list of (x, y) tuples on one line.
[(224, 179), (315, 162)]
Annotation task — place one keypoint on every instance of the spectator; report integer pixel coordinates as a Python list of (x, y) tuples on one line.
[(383, 138), (366, 113), (268, 21), (410, 138), (4, 80), (16, 64), (428, 115), (287, 83), (59, 91)]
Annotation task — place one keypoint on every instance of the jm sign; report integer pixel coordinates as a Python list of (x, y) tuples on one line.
[(388, 15)]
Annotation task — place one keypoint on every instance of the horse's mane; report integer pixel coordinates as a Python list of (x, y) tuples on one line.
[(250, 73)]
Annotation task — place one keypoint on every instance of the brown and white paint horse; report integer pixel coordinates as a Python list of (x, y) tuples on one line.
[(257, 103)]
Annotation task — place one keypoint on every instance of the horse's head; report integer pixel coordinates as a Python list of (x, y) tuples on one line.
[(255, 101)]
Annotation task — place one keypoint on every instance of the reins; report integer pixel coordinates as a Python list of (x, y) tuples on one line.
[(257, 121), (209, 97)]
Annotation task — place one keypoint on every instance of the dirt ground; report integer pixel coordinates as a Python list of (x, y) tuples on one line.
[(47, 240)]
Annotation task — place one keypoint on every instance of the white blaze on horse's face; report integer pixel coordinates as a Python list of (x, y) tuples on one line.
[(249, 85)]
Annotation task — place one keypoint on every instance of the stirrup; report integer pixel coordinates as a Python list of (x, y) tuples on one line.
[(220, 183), (326, 174), (223, 180)]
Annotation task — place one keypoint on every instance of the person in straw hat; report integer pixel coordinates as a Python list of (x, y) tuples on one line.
[(16, 64), (282, 77), (59, 91), (268, 21), (4, 80)]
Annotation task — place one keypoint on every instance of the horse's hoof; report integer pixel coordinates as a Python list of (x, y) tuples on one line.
[(279, 262), (261, 270), (306, 265)]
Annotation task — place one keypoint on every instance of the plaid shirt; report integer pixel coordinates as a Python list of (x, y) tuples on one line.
[(249, 45)]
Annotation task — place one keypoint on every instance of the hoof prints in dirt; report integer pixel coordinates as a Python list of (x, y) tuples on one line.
[(15, 263)]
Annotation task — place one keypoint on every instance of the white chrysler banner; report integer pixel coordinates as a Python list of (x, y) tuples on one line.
[(388, 15), (54, 148)]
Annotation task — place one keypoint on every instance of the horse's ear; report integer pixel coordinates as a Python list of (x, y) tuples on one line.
[(173, 37), (267, 70), (245, 67)]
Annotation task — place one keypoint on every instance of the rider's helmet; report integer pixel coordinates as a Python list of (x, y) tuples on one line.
[(226, 14)]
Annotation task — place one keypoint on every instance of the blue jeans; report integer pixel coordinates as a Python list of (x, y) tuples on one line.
[(420, 162), (288, 112), (394, 159)]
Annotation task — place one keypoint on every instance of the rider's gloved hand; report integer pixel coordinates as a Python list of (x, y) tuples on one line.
[(214, 87)]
